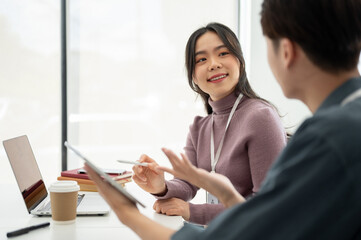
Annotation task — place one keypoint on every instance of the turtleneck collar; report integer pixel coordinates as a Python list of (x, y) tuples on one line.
[(223, 105)]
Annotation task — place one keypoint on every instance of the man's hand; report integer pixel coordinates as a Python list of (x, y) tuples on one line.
[(217, 184)]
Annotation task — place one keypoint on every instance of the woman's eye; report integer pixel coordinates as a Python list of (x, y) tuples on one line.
[(223, 53), (200, 60)]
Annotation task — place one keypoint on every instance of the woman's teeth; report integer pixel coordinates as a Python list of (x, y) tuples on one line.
[(216, 78)]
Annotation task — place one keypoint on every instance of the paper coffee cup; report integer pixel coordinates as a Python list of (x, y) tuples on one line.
[(64, 198)]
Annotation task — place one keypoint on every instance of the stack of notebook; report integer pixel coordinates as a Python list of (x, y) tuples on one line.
[(86, 184)]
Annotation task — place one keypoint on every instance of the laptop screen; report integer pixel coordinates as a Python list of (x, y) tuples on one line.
[(26, 170)]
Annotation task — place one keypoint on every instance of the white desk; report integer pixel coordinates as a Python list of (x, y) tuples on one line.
[(14, 216)]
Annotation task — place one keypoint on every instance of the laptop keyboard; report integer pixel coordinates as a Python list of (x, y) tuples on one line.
[(47, 207), (80, 197)]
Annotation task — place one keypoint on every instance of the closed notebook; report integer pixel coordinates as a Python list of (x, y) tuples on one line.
[(73, 173), (89, 186), (90, 182)]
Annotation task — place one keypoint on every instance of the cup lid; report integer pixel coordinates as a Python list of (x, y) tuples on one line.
[(64, 186)]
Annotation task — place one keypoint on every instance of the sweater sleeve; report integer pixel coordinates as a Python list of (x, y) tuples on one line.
[(204, 213), (267, 139)]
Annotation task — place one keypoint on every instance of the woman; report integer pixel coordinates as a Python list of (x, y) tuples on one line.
[(239, 138)]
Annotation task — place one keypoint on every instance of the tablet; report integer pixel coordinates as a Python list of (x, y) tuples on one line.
[(105, 176)]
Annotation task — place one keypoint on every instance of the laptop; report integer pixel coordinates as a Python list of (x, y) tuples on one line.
[(33, 188)]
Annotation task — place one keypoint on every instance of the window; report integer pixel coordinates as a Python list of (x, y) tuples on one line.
[(30, 80), (127, 88)]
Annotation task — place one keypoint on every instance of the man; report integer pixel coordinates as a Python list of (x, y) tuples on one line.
[(313, 190)]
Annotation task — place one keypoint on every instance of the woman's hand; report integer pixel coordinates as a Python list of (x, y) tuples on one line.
[(149, 178), (173, 207)]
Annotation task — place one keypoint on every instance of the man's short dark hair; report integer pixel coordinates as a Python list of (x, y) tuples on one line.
[(329, 31)]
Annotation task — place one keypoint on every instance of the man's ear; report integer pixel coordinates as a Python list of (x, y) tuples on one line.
[(288, 52)]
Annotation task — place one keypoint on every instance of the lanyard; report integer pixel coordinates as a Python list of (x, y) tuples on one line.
[(214, 159), (351, 97)]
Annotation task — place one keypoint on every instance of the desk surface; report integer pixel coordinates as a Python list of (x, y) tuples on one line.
[(14, 216)]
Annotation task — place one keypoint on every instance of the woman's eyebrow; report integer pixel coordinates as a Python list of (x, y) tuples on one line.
[(215, 49)]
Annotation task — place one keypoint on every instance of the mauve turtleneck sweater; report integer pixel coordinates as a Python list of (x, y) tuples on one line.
[(254, 139)]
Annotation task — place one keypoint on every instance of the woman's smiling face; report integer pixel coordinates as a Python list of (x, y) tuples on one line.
[(216, 70)]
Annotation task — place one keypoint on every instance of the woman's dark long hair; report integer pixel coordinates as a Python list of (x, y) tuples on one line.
[(231, 42)]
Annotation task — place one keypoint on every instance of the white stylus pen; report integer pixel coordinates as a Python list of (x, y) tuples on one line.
[(134, 163)]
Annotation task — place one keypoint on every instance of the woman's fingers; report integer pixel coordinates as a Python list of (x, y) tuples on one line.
[(139, 180), (173, 212), (153, 168), (172, 206)]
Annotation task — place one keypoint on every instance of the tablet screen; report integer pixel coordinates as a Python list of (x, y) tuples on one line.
[(105, 176)]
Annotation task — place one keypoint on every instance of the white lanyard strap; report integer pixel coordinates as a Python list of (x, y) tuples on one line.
[(351, 97), (214, 159)]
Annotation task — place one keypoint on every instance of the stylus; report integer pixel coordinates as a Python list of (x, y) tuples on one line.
[(134, 163), (27, 229)]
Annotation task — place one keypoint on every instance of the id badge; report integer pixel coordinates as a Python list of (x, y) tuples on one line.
[(212, 199)]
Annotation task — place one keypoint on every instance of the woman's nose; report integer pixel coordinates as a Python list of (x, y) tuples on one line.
[(214, 64)]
